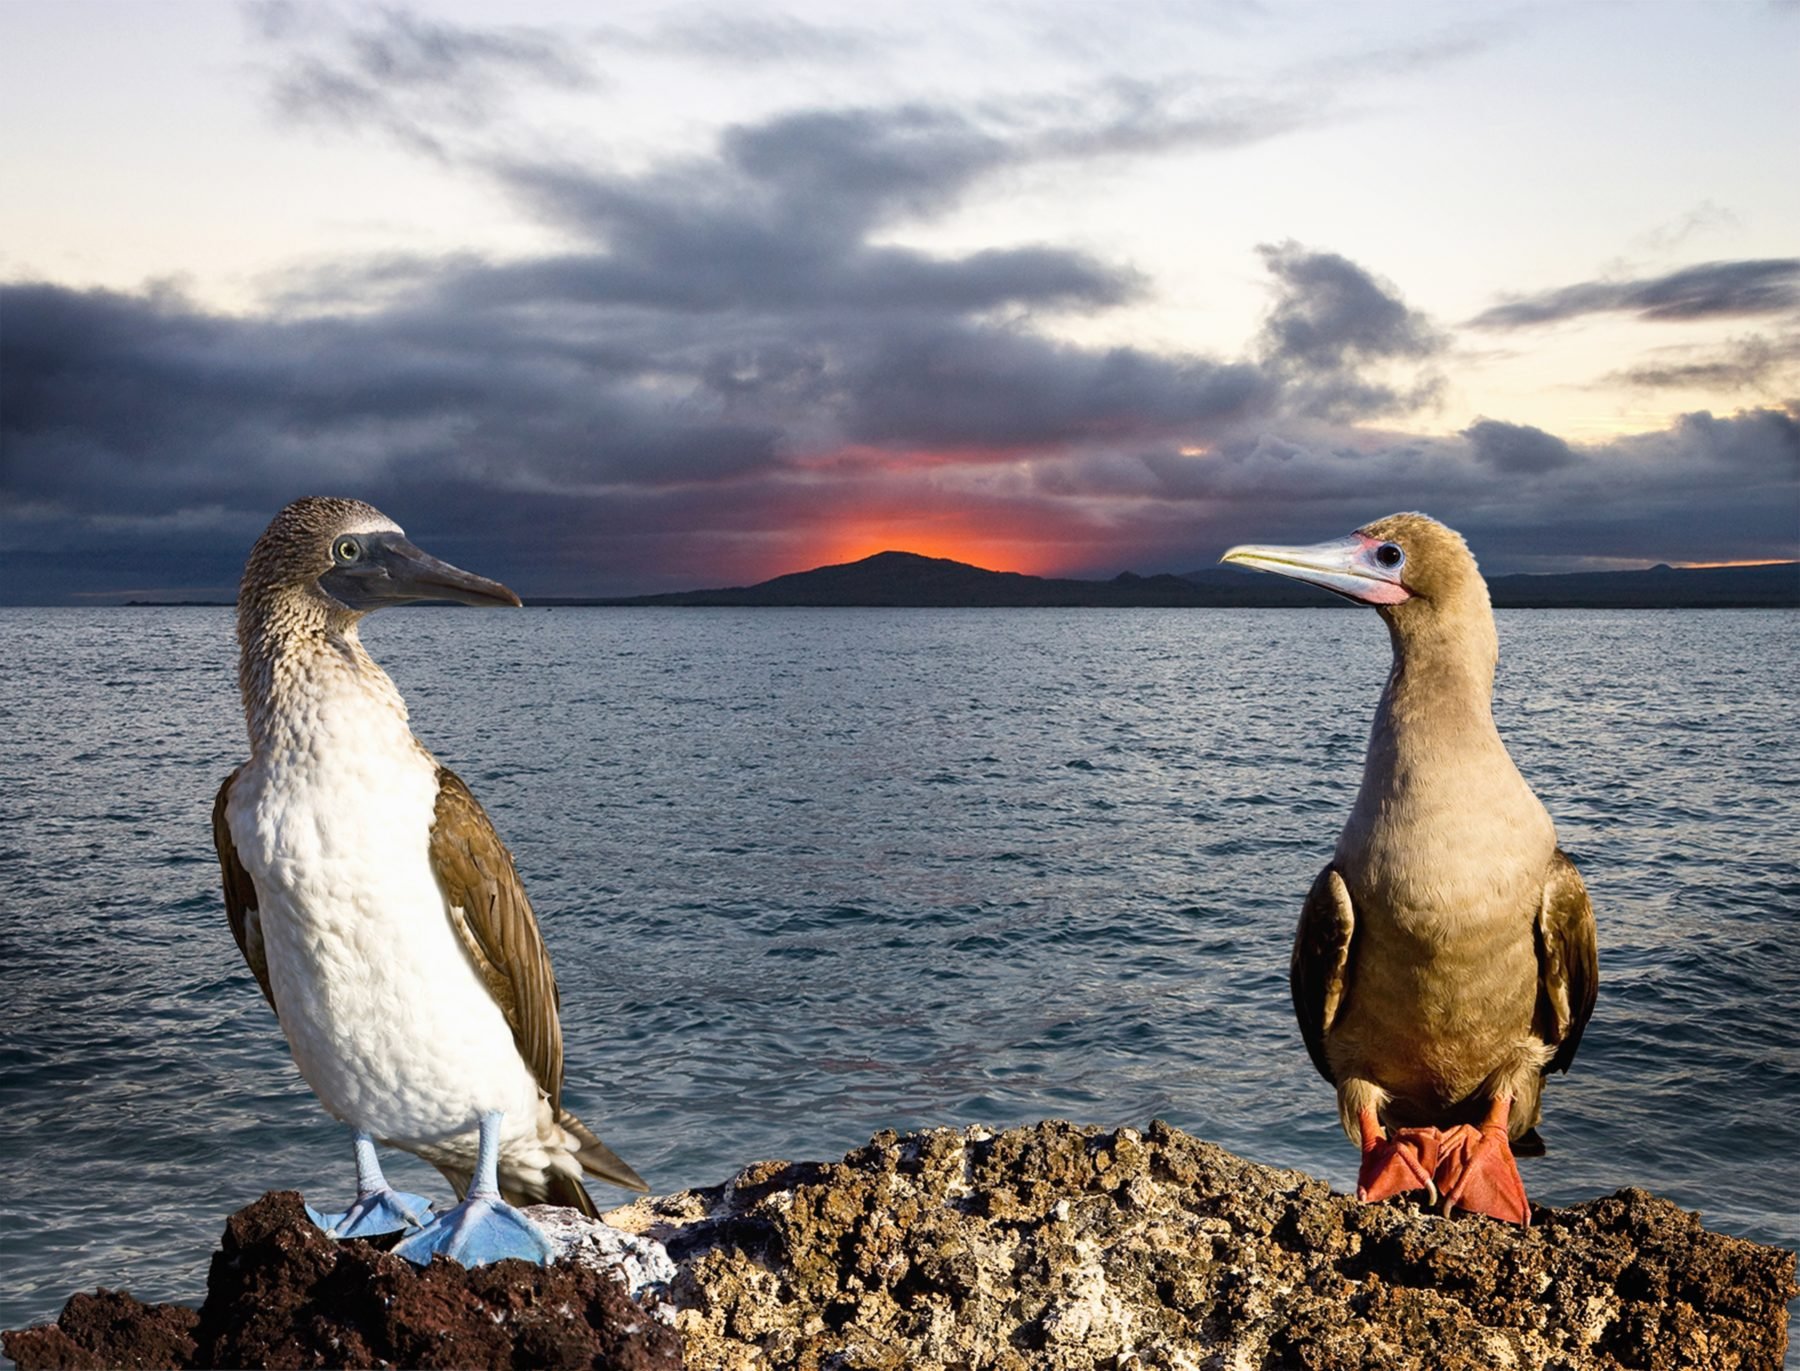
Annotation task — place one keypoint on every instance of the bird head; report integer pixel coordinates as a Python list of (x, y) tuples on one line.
[(1408, 565), (352, 559)]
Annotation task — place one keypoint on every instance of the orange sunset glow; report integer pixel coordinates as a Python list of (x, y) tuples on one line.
[(1702, 566), (950, 536)]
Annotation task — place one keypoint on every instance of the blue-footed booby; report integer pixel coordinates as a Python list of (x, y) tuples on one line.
[(380, 912), (1445, 960)]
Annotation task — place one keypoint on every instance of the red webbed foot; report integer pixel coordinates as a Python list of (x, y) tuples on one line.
[(1391, 1165), (1476, 1170)]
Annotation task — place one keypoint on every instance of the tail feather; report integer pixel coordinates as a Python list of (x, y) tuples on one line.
[(549, 1186), (599, 1160), (552, 1185), (570, 1193)]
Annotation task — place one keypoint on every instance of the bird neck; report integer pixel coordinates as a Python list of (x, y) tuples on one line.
[(1437, 772), (1433, 741), (1443, 671), (300, 659)]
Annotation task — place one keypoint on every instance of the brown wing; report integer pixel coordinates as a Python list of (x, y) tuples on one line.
[(240, 896), (490, 913), (1319, 975), (1568, 961)]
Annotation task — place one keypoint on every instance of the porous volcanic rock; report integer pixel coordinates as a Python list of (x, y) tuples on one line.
[(106, 1329), (1043, 1247), (1057, 1247), (281, 1294)]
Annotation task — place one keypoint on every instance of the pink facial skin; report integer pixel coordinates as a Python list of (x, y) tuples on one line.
[(1386, 588)]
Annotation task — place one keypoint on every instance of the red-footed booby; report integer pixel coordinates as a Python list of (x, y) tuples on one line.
[(380, 912), (1445, 960)]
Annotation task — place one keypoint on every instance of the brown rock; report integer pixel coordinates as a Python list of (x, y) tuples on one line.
[(1062, 1247), (107, 1329), (1046, 1247), (281, 1294)]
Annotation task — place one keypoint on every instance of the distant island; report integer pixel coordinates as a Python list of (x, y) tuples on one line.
[(906, 580)]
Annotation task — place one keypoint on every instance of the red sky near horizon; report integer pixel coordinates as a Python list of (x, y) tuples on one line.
[(931, 535)]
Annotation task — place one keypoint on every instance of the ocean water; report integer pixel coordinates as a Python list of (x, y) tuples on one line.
[(809, 874)]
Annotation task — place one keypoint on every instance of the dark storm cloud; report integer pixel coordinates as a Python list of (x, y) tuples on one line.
[(1333, 313), (976, 387), (1707, 488), (126, 406), (799, 182), (1711, 290), (748, 279), (1332, 321), (729, 265), (142, 435), (773, 198), (779, 219), (1516, 447), (1757, 442)]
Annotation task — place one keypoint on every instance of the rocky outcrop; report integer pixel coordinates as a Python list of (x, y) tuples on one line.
[(1043, 1247), (1062, 1247), (107, 1329), (281, 1294)]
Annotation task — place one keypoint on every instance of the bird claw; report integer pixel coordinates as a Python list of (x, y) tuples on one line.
[(480, 1230), (375, 1212), (1465, 1167), (1391, 1166), (1478, 1174)]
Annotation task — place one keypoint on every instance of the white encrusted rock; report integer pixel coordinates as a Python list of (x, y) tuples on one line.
[(1053, 1247), (640, 1263)]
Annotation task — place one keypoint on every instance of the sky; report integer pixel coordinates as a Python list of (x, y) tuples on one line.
[(639, 297)]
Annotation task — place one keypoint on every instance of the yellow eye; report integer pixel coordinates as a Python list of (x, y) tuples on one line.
[(348, 550)]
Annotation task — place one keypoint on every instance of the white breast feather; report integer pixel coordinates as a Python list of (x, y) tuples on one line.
[(386, 1017)]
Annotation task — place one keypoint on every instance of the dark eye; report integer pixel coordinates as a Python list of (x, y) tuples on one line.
[(348, 549), (1390, 555)]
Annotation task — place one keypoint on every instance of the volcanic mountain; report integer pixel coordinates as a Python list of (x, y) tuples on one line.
[(908, 580)]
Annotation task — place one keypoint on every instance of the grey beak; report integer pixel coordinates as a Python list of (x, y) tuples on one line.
[(394, 572)]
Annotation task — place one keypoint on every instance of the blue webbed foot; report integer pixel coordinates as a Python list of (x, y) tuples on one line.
[(378, 1211), (379, 1208), (482, 1229)]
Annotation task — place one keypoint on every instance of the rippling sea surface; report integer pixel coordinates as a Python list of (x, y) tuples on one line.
[(808, 874)]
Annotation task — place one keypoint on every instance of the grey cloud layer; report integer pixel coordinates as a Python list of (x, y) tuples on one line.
[(731, 317), (134, 426), (1517, 448), (414, 78), (1706, 291), (1770, 364), (726, 360), (1766, 291), (1330, 322)]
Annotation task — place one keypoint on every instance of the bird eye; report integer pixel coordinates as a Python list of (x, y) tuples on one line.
[(1390, 555), (348, 550)]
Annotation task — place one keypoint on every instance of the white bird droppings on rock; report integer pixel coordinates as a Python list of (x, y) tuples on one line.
[(639, 1262)]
